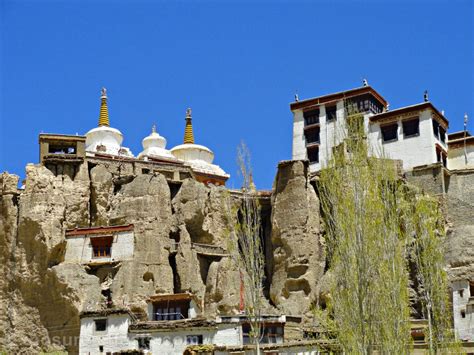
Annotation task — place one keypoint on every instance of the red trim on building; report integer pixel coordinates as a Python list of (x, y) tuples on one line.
[(99, 230), (338, 96)]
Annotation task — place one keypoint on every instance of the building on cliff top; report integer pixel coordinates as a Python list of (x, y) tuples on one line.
[(62, 153), (319, 126)]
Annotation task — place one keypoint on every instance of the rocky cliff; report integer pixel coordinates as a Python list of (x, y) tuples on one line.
[(42, 294)]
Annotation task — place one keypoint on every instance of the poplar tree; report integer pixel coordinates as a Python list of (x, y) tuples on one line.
[(246, 245), (375, 224)]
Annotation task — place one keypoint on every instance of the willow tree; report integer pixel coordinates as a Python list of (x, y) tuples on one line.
[(246, 245), (367, 247)]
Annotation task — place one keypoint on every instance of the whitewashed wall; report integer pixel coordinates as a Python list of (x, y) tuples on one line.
[(464, 326), (414, 151), (79, 248), (114, 338), (299, 144), (457, 158)]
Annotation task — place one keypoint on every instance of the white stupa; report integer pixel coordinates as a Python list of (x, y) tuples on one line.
[(105, 139), (154, 147), (199, 157)]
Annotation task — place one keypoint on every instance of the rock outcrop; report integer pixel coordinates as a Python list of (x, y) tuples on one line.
[(298, 257)]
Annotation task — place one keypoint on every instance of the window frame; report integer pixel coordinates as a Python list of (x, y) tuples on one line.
[(105, 322), (313, 148), (103, 249), (382, 127), (330, 109), (409, 121), (200, 339)]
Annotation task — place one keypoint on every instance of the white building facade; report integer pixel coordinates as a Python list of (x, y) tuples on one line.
[(415, 134), (463, 309), (99, 244)]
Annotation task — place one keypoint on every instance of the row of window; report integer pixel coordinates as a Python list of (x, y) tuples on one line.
[(312, 117), (411, 128)]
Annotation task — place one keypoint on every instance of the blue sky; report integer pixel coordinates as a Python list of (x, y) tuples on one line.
[(237, 64)]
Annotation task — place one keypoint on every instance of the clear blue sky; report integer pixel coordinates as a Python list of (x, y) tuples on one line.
[(237, 64)]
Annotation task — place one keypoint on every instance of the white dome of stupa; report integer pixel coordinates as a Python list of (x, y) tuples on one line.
[(154, 146), (199, 157), (105, 139)]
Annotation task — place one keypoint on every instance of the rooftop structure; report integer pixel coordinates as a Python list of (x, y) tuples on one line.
[(104, 143), (416, 134)]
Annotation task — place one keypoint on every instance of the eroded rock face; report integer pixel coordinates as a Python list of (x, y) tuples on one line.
[(460, 238), (42, 294), (298, 261)]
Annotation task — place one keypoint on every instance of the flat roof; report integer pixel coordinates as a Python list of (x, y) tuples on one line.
[(408, 109), (98, 230), (338, 96), (457, 143), (104, 312), (61, 136), (458, 135), (172, 325)]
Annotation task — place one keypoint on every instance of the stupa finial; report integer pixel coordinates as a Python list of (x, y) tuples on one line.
[(188, 131), (104, 111)]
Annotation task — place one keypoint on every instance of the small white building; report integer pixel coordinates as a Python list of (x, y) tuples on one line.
[(99, 244), (461, 151), (174, 323), (463, 309)]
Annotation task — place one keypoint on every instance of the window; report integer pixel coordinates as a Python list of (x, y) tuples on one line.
[(100, 325), (101, 246), (463, 313), (145, 171), (471, 289), (144, 343), (331, 113), (313, 154), (101, 348), (411, 128), (435, 127), (171, 310), (442, 134), (311, 117), (389, 132), (461, 293), (193, 339), (312, 135)]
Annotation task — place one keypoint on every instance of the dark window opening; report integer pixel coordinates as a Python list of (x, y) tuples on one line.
[(193, 339), (435, 127), (411, 128), (471, 289), (313, 154), (418, 337), (101, 246), (331, 113), (144, 343), (100, 325), (101, 348), (389, 132), (442, 134), (311, 117), (463, 313), (312, 135), (461, 293), (145, 171)]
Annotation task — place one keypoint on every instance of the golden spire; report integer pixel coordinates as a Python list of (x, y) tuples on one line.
[(104, 112), (188, 132)]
